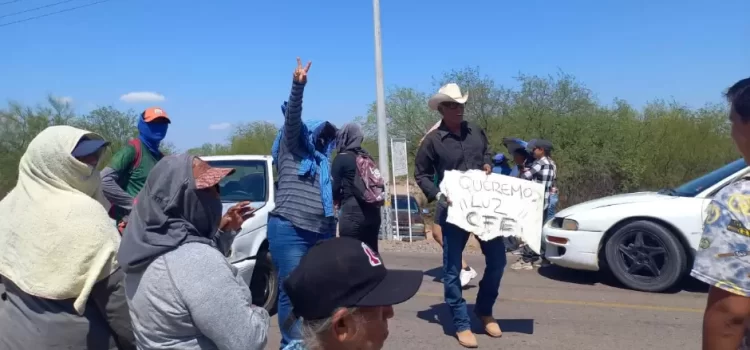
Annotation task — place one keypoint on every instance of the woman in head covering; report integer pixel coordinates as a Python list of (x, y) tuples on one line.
[(344, 296), (358, 218), (182, 292), (467, 272), (63, 288), (304, 212)]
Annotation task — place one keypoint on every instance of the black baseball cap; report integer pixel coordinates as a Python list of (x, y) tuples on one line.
[(539, 143), (345, 272)]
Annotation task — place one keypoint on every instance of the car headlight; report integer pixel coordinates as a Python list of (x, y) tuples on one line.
[(570, 225)]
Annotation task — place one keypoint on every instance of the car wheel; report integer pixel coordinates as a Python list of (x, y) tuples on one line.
[(646, 256), (264, 285)]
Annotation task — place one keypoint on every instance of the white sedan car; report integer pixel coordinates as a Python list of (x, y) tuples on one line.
[(646, 239)]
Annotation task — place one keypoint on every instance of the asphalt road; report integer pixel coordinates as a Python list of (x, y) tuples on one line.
[(550, 308)]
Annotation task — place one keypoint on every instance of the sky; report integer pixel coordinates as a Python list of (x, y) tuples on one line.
[(215, 64)]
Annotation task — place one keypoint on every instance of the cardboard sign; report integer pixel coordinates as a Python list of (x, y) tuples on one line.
[(490, 206)]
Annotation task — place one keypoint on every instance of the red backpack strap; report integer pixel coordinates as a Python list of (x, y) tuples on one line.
[(137, 145)]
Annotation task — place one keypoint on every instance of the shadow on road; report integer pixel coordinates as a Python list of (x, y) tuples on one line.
[(562, 274), (441, 314), (437, 273)]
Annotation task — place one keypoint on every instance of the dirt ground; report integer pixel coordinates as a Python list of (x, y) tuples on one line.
[(400, 188)]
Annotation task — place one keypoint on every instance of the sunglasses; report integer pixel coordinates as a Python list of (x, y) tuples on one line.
[(450, 105)]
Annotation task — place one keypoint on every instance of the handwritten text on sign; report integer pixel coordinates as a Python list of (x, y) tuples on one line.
[(495, 205)]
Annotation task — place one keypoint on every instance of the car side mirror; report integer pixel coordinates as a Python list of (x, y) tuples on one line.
[(425, 211)]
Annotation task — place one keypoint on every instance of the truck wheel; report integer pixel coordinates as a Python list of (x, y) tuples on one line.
[(264, 285), (646, 256)]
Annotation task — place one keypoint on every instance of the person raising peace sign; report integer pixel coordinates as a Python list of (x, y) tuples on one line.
[(300, 74), (302, 154)]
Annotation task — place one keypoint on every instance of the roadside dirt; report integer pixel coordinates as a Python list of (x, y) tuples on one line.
[(400, 188)]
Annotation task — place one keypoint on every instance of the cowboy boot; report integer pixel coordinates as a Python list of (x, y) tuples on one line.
[(467, 339), (491, 326)]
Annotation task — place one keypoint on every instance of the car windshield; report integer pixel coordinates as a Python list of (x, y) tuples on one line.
[(698, 185), (402, 203), (247, 183)]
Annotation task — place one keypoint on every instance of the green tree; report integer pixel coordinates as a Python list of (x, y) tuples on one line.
[(600, 149), (488, 100), (19, 125), (210, 149), (250, 138), (253, 138), (113, 125), (168, 148)]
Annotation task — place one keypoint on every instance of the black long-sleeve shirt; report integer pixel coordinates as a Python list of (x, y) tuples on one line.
[(442, 150), (344, 171)]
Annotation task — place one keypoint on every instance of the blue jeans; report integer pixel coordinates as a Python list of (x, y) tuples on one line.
[(288, 244), (454, 241), (552, 209)]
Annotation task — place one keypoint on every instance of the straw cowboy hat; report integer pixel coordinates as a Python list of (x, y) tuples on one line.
[(448, 93)]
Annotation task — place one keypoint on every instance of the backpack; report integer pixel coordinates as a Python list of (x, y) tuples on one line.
[(374, 186), (136, 143)]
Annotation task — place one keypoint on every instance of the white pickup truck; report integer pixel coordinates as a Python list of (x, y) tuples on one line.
[(252, 181)]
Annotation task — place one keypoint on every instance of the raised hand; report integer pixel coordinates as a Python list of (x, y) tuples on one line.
[(235, 216), (300, 73)]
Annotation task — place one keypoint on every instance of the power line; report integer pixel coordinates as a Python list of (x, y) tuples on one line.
[(36, 8), (53, 13), (9, 2)]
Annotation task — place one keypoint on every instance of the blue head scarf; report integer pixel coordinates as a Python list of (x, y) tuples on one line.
[(151, 135), (314, 160), (501, 167)]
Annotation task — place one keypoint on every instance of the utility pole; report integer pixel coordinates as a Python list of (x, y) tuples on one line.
[(385, 227)]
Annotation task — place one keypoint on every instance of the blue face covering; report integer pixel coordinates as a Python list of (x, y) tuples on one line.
[(151, 135), (315, 160)]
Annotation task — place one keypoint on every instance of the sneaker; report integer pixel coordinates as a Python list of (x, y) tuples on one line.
[(473, 272), (465, 277), (522, 265)]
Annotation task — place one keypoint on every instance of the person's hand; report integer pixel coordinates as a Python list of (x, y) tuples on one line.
[(300, 73), (235, 216), (122, 224), (487, 169), (443, 199)]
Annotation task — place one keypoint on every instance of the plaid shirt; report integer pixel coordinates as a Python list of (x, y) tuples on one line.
[(542, 171)]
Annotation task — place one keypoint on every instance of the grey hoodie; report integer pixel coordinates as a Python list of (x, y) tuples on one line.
[(182, 292)]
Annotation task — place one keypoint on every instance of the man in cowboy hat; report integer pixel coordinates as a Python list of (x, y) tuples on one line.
[(461, 145), (467, 272)]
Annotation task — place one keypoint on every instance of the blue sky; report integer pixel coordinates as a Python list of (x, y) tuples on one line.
[(218, 62)]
